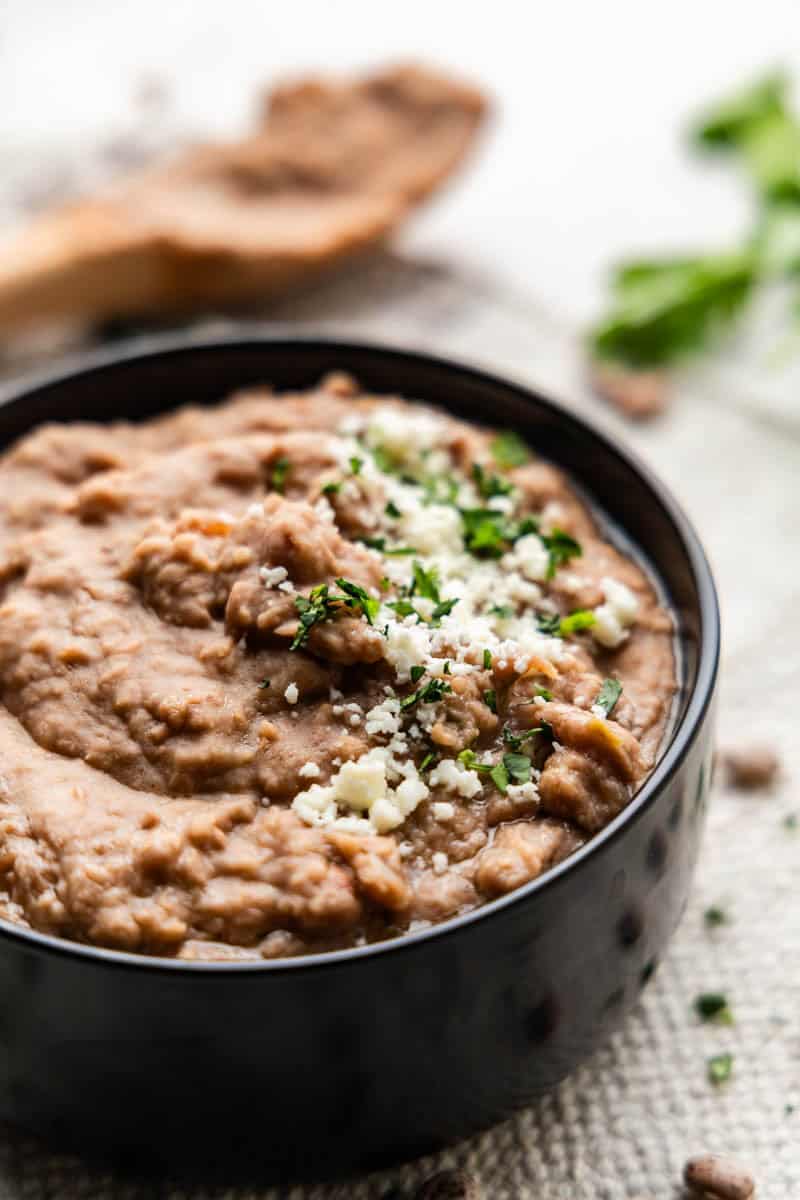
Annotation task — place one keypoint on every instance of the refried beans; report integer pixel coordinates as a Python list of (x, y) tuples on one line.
[(304, 672)]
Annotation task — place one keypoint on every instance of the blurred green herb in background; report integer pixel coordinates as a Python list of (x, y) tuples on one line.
[(664, 309)]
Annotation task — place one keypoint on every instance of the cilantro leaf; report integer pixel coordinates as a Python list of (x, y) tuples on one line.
[(392, 510), (416, 674), (713, 1006), (404, 608), (428, 761), (323, 605), (425, 583), (490, 485), (330, 489), (379, 543), (662, 310), (516, 740), (561, 548), (490, 699), (355, 464), (265, 683), (503, 611), (518, 767), (509, 450), (715, 916), (280, 469), (549, 623), (431, 694), (499, 777), (582, 618), (720, 1068), (608, 695), (359, 598), (487, 660)]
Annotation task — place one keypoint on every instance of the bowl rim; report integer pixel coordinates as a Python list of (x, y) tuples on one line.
[(253, 338)]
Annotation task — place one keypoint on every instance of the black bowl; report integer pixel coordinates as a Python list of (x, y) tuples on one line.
[(353, 1059)]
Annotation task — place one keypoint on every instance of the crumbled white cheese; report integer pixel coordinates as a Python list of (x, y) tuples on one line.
[(615, 615), (453, 776), (362, 787), (443, 810), (384, 717), (309, 770), (440, 863), (292, 694), (272, 576), (255, 510), (407, 645), (432, 529), (530, 556), (524, 792)]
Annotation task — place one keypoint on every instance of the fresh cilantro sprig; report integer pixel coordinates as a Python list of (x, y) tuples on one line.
[(512, 768), (713, 1006), (509, 450), (280, 469), (322, 604), (489, 485), (608, 695), (665, 309), (432, 693)]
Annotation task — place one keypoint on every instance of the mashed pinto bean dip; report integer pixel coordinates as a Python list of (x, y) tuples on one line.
[(304, 672)]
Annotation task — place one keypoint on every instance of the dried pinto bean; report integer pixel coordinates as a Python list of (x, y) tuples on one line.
[(450, 1185), (751, 767), (718, 1178)]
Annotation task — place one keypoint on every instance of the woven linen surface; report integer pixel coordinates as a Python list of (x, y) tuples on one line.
[(624, 1124)]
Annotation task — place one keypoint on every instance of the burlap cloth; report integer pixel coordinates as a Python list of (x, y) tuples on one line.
[(624, 1124)]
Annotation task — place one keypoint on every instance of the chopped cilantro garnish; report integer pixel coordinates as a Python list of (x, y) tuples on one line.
[(280, 469), (548, 623), (518, 767), (561, 548), (426, 583), (513, 767), (487, 660), (713, 1006), (385, 583), (383, 460), (404, 608), (392, 510), (439, 489), (355, 464), (443, 609), (544, 692), (489, 485), (791, 822), (446, 669), (490, 699), (265, 683), (582, 618), (509, 450), (315, 607), (416, 674), (330, 489), (608, 695), (323, 605), (517, 740), (430, 694), (369, 605), (379, 543), (720, 1068), (428, 761), (503, 611), (715, 916)]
